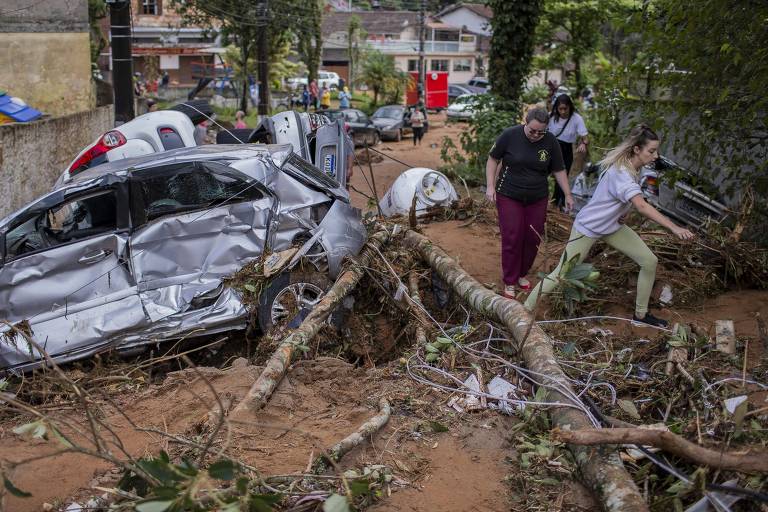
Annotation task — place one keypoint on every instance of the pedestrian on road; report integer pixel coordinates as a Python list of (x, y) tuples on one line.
[(239, 120), (567, 126), (313, 93), (164, 81), (305, 97), (325, 98), (616, 193), (516, 180), (344, 98), (417, 125)]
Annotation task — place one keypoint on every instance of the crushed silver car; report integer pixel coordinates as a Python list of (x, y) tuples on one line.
[(135, 251)]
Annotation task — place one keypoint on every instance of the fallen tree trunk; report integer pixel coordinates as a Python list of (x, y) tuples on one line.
[(278, 364), (601, 469), (755, 462), (370, 427)]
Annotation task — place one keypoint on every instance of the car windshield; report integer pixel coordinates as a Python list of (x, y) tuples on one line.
[(334, 115), (389, 113), (464, 98)]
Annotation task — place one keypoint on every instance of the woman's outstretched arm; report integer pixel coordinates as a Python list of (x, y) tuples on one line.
[(656, 216)]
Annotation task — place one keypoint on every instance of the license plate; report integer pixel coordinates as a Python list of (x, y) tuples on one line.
[(329, 164)]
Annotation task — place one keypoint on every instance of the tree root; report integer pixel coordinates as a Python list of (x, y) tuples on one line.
[(370, 427), (601, 469), (278, 363), (754, 462)]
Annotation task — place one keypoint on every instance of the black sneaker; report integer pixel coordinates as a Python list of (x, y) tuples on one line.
[(651, 320)]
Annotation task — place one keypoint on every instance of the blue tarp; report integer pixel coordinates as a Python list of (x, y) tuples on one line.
[(17, 112)]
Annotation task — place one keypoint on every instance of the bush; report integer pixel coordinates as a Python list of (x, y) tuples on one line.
[(491, 118)]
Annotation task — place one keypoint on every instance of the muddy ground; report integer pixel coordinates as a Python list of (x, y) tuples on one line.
[(471, 466)]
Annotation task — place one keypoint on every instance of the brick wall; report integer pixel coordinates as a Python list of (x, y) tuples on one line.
[(33, 155)]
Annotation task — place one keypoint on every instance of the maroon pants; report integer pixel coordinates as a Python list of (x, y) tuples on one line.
[(522, 227)]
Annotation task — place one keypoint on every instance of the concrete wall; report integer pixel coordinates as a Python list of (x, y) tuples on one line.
[(45, 54), (33, 155)]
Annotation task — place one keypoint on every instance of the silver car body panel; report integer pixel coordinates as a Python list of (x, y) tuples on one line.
[(164, 279)]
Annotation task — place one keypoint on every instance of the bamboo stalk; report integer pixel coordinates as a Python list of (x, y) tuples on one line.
[(601, 469), (278, 364)]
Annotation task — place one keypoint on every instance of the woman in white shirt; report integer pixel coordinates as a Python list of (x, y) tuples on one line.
[(616, 193), (567, 126)]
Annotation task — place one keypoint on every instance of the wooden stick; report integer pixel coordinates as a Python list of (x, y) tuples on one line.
[(367, 429), (748, 462), (278, 364), (600, 469)]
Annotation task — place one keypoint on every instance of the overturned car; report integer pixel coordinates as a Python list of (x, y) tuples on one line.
[(136, 251)]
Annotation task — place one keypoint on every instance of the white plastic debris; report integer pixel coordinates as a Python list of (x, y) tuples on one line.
[(732, 403), (502, 389), (602, 332), (665, 297), (432, 188), (467, 402)]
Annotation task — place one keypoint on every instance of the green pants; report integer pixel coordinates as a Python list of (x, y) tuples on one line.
[(624, 240)]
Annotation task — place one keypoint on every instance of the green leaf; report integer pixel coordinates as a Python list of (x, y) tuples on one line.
[(540, 395), (14, 490), (154, 505), (431, 348), (359, 487), (251, 288), (629, 407), (432, 357), (223, 469), (336, 503), (60, 438), (36, 429)]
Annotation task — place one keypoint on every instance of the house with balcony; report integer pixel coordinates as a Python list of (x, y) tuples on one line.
[(161, 44), (455, 49)]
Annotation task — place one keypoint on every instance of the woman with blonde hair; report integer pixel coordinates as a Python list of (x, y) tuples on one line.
[(616, 193)]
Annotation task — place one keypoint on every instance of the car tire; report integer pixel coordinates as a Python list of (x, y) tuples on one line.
[(284, 298)]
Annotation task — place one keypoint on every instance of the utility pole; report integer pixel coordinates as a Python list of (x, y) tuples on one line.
[(422, 36), (263, 57), (122, 60)]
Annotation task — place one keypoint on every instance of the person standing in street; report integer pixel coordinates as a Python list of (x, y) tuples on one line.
[(344, 98), (313, 93), (325, 98), (616, 193), (305, 97), (417, 125), (240, 120), (567, 126), (516, 173)]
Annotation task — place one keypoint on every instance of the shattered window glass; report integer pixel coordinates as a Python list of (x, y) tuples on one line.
[(73, 220), (190, 189)]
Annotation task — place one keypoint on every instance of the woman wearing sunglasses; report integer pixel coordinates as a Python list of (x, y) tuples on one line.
[(516, 180), (616, 193)]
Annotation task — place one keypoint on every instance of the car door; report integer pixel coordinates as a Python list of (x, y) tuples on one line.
[(195, 223), (65, 271), (367, 128)]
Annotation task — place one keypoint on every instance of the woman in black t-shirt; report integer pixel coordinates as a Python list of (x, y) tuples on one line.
[(516, 179)]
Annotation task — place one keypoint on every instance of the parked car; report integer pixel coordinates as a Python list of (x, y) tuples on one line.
[(136, 251), (394, 121), (480, 82), (456, 90), (295, 83), (357, 124), (328, 79), (462, 108), (682, 201)]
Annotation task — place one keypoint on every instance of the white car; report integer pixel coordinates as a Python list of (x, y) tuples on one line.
[(149, 133), (295, 83), (328, 79), (462, 107)]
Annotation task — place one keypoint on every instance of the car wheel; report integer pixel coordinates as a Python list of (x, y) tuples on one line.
[(289, 297)]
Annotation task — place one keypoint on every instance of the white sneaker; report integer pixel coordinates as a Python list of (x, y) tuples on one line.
[(509, 291), (524, 284)]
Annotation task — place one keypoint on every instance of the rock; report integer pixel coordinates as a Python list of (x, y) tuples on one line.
[(240, 362), (47, 507)]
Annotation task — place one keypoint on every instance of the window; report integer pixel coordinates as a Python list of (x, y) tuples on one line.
[(186, 188), (438, 65), (152, 7), (74, 220), (350, 115), (413, 64), (462, 64)]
